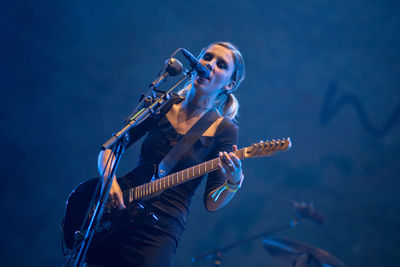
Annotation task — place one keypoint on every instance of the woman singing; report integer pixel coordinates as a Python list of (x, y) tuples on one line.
[(155, 244)]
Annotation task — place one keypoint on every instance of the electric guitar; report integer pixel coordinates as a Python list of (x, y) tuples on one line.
[(80, 200)]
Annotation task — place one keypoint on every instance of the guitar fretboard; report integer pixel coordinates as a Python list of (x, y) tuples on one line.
[(146, 190), (161, 184)]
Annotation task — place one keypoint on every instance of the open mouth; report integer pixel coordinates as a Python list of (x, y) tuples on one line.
[(202, 80)]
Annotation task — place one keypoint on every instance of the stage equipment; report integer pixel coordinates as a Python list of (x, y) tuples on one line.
[(299, 253), (202, 71), (305, 211)]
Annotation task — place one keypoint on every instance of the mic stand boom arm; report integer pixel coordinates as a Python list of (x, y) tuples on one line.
[(117, 141), (217, 254), (153, 107)]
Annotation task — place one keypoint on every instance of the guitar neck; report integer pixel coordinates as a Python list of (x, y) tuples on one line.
[(159, 185), (260, 149)]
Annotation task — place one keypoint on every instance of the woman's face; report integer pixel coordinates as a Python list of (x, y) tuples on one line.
[(219, 61)]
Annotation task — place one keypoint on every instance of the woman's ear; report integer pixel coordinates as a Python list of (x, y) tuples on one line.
[(230, 85)]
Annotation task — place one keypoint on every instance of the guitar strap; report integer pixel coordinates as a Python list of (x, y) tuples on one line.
[(186, 142)]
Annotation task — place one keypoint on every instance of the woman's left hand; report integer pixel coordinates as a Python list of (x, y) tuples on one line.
[(231, 166)]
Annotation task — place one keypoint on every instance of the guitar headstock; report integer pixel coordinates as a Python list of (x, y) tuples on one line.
[(267, 148)]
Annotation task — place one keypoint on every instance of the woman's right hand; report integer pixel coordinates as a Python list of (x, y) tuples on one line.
[(105, 161), (115, 199)]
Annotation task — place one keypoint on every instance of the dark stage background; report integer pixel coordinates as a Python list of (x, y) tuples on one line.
[(325, 73)]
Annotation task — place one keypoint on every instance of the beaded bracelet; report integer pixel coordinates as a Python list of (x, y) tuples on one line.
[(227, 186), (233, 187)]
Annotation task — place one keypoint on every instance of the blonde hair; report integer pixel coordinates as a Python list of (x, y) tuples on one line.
[(226, 102)]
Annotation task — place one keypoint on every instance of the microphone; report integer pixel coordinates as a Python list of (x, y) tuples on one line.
[(174, 67), (306, 210), (202, 71)]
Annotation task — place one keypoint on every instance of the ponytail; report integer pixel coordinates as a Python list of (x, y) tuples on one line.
[(227, 104)]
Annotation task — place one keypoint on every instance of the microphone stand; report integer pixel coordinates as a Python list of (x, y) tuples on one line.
[(150, 104), (217, 254)]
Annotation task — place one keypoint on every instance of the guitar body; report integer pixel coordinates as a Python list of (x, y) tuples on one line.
[(80, 202)]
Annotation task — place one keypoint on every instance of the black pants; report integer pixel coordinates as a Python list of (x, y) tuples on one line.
[(144, 246)]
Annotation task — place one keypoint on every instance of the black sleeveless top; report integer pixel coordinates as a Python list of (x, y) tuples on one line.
[(172, 206)]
